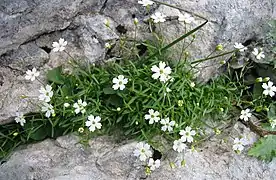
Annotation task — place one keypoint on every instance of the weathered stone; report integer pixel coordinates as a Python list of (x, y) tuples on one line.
[(103, 159)]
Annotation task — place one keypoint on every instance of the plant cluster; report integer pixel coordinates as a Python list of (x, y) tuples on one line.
[(142, 98)]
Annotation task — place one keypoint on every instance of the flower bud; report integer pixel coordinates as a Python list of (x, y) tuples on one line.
[(265, 109), (266, 79), (259, 79), (172, 165), (23, 96), (15, 134), (136, 21), (222, 62), (180, 103), (219, 47), (118, 109), (81, 130), (107, 45), (183, 163), (221, 109), (192, 84)]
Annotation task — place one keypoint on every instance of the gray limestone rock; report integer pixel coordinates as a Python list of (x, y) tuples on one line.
[(103, 159)]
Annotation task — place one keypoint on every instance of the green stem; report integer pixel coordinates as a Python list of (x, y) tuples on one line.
[(212, 57), (177, 40)]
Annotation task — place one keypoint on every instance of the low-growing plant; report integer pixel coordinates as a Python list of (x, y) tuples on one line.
[(142, 97)]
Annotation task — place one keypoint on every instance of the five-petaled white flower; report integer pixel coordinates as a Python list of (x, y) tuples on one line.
[(269, 89), (32, 74), (60, 45), (187, 18), (240, 47), (49, 109), (153, 164), (119, 82), (272, 123), (167, 124), (259, 54), (187, 134), (146, 2), (152, 116), (192, 84), (93, 123), (20, 118), (245, 114), (179, 145), (143, 151), (45, 93), (239, 144), (80, 106), (162, 72), (158, 17)]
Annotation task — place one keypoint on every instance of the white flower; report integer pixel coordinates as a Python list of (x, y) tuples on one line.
[(107, 45), (152, 116), (49, 109), (60, 45), (239, 144), (167, 124), (20, 118), (272, 123), (259, 55), (162, 72), (153, 164), (168, 90), (179, 145), (187, 134), (245, 114), (79, 106), (269, 89), (119, 83), (192, 84), (146, 2), (93, 123), (66, 104), (240, 47), (187, 18), (45, 93), (143, 151), (158, 17), (31, 74)]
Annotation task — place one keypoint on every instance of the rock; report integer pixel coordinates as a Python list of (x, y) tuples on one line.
[(104, 159)]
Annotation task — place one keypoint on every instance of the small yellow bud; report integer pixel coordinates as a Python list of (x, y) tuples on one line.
[(107, 45), (259, 79), (266, 79), (81, 130), (180, 103), (172, 165), (23, 96), (147, 171), (15, 134), (221, 109), (136, 21), (183, 163), (222, 62), (219, 47), (187, 53), (217, 131)]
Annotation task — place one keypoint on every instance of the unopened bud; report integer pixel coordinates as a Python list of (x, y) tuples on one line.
[(135, 21), (219, 47), (259, 79), (266, 79), (222, 62)]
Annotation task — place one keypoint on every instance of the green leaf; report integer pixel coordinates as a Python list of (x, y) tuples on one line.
[(109, 91), (38, 131), (265, 148), (54, 75), (257, 91)]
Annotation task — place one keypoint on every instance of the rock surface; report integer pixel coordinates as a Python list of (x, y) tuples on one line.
[(103, 159), (28, 28)]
